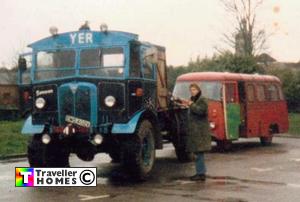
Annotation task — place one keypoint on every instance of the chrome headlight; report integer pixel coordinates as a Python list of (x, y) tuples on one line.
[(110, 101), (46, 139), (40, 103), (98, 139)]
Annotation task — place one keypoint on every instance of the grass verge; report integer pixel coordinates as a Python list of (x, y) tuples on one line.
[(294, 121), (11, 140)]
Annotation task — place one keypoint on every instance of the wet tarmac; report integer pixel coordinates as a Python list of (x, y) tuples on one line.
[(248, 173)]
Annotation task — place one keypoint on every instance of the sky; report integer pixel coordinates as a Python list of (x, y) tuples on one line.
[(187, 28)]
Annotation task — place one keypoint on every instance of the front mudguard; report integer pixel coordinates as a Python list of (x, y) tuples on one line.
[(129, 127), (117, 128), (30, 129)]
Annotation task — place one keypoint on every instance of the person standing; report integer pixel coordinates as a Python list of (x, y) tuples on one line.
[(198, 135)]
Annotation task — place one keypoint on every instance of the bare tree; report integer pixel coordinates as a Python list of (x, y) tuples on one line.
[(16, 51), (247, 38)]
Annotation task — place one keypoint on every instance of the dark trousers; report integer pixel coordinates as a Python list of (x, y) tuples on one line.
[(200, 164)]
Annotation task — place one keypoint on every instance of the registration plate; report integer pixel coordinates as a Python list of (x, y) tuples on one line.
[(77, 121)]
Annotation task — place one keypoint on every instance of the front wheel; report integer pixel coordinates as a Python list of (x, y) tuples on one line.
[(138, 152), (115, 156), (55, 154)]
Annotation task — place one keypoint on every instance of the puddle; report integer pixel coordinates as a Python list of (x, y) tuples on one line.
[(230, 199), (261, 182)]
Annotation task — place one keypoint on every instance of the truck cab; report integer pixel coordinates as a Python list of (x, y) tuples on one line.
[(95, 91)]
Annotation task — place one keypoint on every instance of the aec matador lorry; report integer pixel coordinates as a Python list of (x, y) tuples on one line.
[(99, 91)]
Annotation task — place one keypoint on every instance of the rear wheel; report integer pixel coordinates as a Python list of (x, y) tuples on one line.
[(183, 156), (266, 141), (55, 154), (138, 152), (224, 145)]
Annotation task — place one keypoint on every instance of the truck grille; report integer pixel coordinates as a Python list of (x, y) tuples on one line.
[(74, 100)]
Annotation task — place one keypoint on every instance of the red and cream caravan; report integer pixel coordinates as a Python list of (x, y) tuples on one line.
[(239, 105)]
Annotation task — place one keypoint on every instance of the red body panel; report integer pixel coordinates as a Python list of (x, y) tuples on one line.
[(260, 115), (216, 115)]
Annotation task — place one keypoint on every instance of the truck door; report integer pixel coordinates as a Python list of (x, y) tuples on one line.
[(231, 106)]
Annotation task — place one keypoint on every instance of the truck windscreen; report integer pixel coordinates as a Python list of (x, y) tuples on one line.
[(107, 62), (101, 62), (55, 64)]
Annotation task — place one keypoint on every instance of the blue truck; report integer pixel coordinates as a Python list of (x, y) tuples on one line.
[(99, 91)]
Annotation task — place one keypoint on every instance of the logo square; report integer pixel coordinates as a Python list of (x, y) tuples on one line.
[(24, 177)]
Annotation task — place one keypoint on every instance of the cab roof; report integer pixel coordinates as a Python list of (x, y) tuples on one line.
[(74, 39), (225, 76)]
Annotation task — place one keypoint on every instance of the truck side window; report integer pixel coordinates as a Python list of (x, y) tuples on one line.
[(148, 69), (135, 67)]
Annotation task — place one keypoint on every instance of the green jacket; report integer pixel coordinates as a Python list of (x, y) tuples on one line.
[(198, 136)]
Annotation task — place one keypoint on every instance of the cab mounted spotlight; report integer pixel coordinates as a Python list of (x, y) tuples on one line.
[(53, 30), (103, 28)]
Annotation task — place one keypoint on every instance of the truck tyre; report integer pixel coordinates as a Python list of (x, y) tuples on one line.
[(224, 145), (115, 156), (267, 140), (183, 156), (54, 154), (85, 151), (138, 152), (179, 138)]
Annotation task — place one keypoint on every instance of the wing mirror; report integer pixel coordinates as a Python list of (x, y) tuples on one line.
[(22, 64)]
